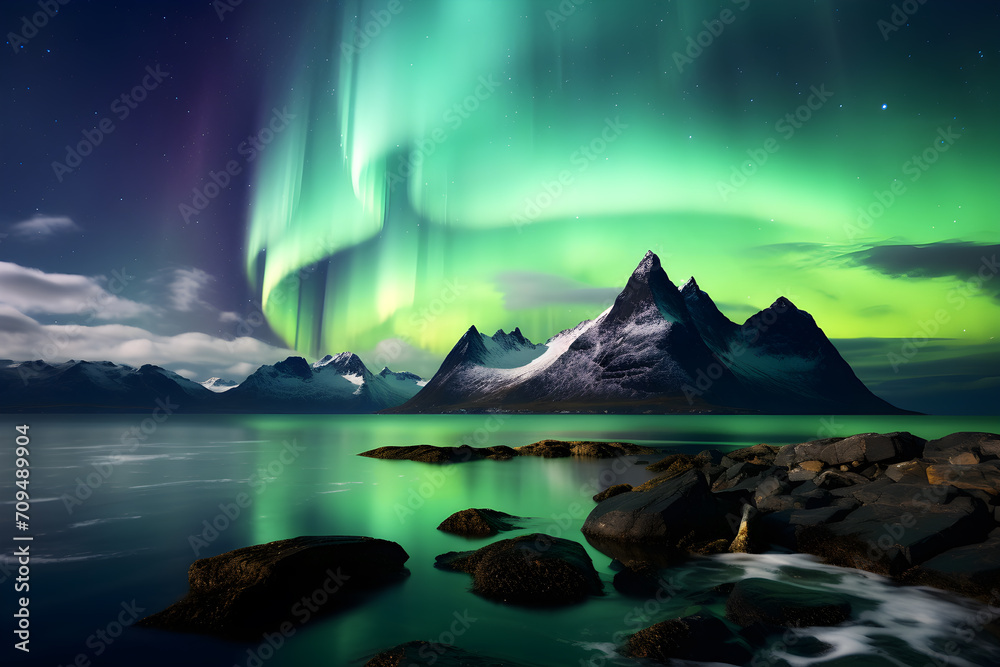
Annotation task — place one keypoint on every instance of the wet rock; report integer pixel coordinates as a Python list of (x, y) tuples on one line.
[(888, 539), (611, 491), (679, 509), (785, 605), (646, 582), (533, 570), (244, 593), (698, 638), (421, 653), (434, 454), (478, 523), (784, 528), (972, 570)]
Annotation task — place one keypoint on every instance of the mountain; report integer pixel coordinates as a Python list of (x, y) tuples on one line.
[(657, 349), (334, 384), (102, 386)]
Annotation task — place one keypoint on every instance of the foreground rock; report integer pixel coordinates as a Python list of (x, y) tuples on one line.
[(477, 523), (244, 593), (895, 504), (544, 448), (419, 653), (784, 605), (661, 524), (533, 570), (698, 638)]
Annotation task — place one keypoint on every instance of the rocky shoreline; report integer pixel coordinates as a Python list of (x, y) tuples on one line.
[(920, 512)]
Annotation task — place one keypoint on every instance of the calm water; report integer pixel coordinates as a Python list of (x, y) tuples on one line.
[(130, 541)]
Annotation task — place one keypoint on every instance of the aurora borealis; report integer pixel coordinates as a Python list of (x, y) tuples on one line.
[(508, 162)]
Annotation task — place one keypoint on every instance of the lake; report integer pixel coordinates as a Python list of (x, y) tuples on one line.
[(121, 506)]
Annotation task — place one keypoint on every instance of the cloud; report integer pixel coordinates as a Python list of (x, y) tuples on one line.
[(186, 287), (43, 226), (197, 353), (33, 291), (529, 289), (955, 259)]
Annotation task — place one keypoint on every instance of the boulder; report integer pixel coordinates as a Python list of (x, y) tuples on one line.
[(533, 570), (611, 491), (477, 523), (983, 446), (678, 510), (888, 539), (981, 477), (698, 638), (972, 570), (421, 653), (785, 527), (244, 593), (785, 605), (863, 448)]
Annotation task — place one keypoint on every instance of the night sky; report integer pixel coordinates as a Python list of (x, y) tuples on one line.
[(210, 185)]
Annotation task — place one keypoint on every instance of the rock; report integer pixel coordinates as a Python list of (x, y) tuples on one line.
[(834, 479), (909, 471), (741, 543), (814, 466), (611, 491), (657, 520), (972, 570), (531, 570), (421, 653), (785, 527), (800, 475), (477, 523), (862, 448), (698, 638), (433, 454), (757, 454), (771, 486), (244, 593), (645, 582), (584, 448), (984, 446), (983, 476), (888, 539), (784, 605), (964, 459), (678, 464), (779, 503)]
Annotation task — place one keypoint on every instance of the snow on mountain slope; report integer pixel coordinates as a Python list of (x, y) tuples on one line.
[(218, 385)]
